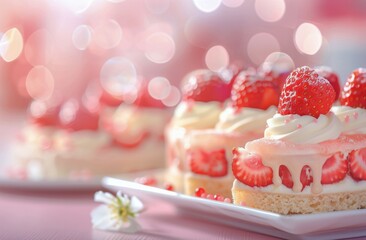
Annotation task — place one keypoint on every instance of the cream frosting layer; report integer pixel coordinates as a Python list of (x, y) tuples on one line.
[(83, 140), (303, 129), (133, 120), (197, 115), (353, 119), (248, 119)]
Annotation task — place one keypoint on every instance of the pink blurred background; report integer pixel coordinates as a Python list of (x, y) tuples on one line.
[(54, 49)]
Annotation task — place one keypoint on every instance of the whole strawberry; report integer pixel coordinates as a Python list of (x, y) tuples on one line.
[(254, 90), (205, 86), (306, 93), (332, 77), (354, 91)]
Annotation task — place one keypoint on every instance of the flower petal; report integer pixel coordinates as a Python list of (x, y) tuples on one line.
[(136, 205), (105, 197), (132, 226), (123, 198), (102, 218)]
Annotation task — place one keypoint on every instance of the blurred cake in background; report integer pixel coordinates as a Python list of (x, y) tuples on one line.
[(204, 95), (85, 138)]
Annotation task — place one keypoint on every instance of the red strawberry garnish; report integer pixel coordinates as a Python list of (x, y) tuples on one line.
[(357, 164), (75, 116), (332, 77), (354, 91), (305, 177), (205, 86), (249, 169), (306, 93), (213, 164), (334, 169), (254, 91), (44, 114)]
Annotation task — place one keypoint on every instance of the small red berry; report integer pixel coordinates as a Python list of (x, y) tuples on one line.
[(199, 191), (169, 187)]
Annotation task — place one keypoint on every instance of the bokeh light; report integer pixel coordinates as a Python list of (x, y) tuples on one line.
[(81, 37), (270, 11), (308, 38), (217, 58), (157, 6), (118, 76), (278, 62), (173, 98), (108, 34), (159, 47), (159, 87), (260, 46), (40, 83), (11, 45), (207, 5), (232, 3), (68, 111), (78, 6), (39, 48)]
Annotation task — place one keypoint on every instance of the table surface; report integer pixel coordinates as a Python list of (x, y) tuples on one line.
[(27, 214)]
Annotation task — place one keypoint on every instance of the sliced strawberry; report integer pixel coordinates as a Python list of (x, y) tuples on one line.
[(213, 164), (75, 116), (205, 86), (306, 93), (305, 177), (254, 90), (334, 169), (357, 164), (332, 77), (354, 91), (249, 169)]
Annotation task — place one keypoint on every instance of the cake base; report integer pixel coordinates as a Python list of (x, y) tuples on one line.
[(299, 203), (220, 185)]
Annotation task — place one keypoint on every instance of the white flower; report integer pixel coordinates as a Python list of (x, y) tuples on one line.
[(117, 213)]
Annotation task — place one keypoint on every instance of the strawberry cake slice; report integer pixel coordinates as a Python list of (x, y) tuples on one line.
[(254, 99), (204, 95), (302, 163), (71, 141)]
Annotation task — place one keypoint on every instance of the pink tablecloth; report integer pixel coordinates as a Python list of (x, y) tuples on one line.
[(65, 215)]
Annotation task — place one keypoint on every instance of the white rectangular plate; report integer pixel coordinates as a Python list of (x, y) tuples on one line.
[(333, 225)]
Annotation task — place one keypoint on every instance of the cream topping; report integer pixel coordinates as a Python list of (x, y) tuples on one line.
[(248, 119), (353, 119), (132, 121), (82, 140), (303, 129), (197, 115)]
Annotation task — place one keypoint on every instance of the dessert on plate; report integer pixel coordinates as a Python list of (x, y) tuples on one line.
[(303, 163), (204, 95), (254, 99), (70, 142)]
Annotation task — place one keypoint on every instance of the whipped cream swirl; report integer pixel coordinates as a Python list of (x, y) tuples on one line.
[(197, 115), (303, 129), (353, 119), (248, 119)]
